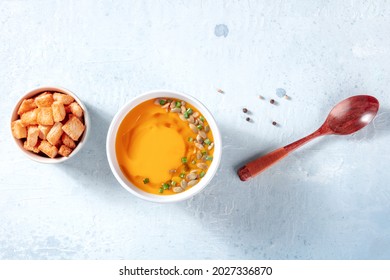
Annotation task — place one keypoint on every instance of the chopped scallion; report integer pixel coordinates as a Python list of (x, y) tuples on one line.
[(184, 160)]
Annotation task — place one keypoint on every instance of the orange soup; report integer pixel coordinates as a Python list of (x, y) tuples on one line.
[(164, 146)]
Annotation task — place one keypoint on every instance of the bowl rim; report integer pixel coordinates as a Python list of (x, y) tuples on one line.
[(111, 142), (35, 91)]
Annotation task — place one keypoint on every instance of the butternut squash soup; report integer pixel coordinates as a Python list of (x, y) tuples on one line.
[(164, 146)]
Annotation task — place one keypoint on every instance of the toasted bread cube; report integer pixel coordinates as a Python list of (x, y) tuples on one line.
[(32, 135), (63, 98), (27, 105), (58, 111), (67, 141), (74, 128), (48, 149), (44, 100), (45, 116), (18, 129), (76, 109), (55, 134), (32, 149), (43, 131), (64, 151), (30, 117)]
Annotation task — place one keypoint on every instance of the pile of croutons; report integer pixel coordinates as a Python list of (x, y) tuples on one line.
[(50, 124)]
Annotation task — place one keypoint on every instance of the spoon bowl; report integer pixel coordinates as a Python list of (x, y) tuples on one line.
[(352, 114), (348, 116)]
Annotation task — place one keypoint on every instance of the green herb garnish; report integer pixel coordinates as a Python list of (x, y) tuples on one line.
[(207, 141), (201, 175), (146, 180), (162, 102), (184, 160)]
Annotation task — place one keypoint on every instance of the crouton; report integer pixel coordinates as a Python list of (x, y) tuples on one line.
[(45, 116), (64, 151), (18, 129), (76, 109), (32, 149), (74, 128), (43, 131), (27, 105), (32, 135), (58, 111), (44, 99), (55, 133), (48, 149), (67, 141), (30, 117), (63, 98)]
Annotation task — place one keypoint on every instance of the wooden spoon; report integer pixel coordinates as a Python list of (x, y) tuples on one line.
[(348, 116)]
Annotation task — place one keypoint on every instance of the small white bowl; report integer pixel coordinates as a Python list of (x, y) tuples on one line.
[(112, 159), (81, 142)]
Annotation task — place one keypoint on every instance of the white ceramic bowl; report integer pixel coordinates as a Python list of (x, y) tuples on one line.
[(112, 159), (81, 142)]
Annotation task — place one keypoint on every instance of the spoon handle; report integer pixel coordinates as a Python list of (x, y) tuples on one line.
[(255, 167)]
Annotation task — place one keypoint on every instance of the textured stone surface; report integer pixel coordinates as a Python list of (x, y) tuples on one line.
[(329, 200)]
